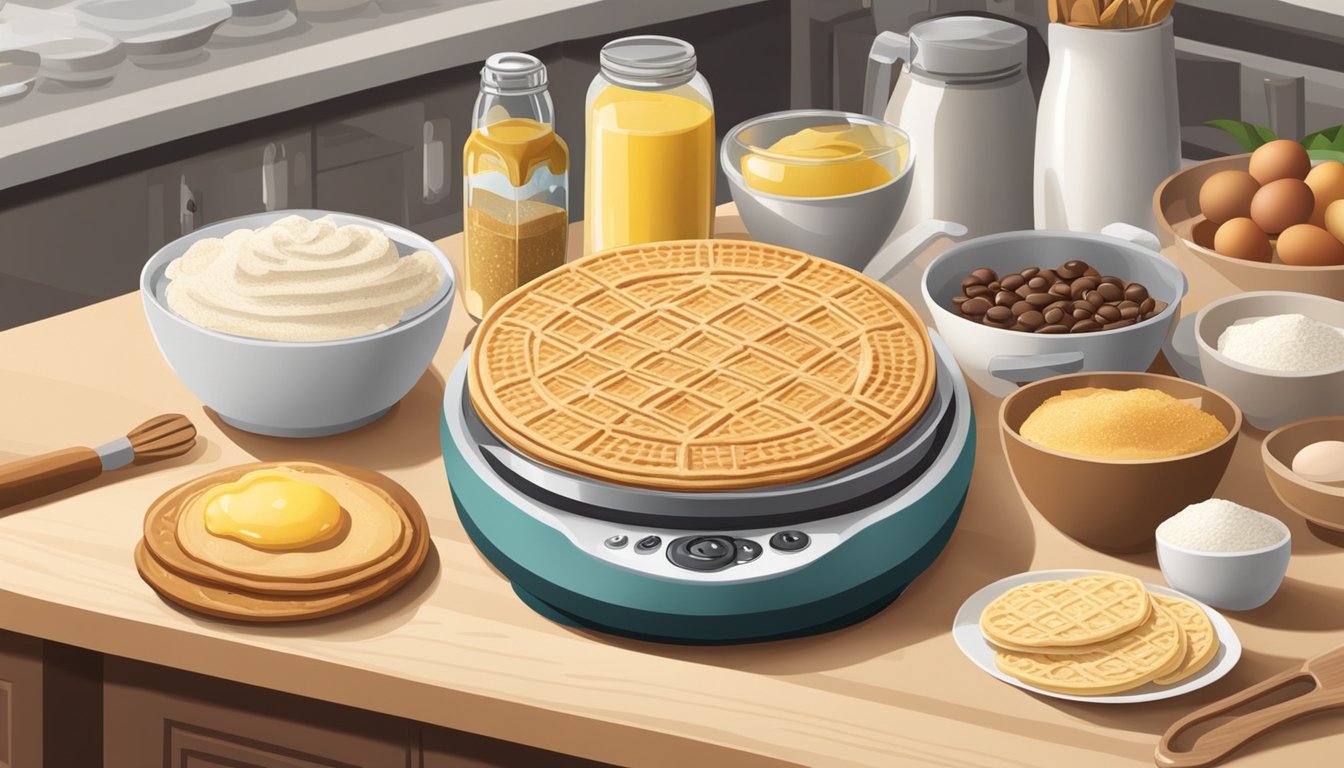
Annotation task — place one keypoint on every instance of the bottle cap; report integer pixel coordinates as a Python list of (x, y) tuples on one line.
[(513, 74), (646, 61)]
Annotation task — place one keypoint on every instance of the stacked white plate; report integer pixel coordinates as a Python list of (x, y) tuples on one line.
[(257, 18), (155, 31)]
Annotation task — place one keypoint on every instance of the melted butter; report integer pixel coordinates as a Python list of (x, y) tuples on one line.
[(835, 161), (269, 509)]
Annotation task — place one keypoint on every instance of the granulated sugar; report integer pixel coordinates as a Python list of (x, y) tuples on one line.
[(1284, 343), (1219, 526)]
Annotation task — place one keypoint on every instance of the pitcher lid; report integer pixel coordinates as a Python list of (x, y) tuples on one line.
[(967, 45)]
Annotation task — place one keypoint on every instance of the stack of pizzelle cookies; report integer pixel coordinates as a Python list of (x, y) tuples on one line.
[(1096, 634), (380, 543)]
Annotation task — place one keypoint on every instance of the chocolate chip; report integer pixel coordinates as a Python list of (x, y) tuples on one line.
[(1085, 326), (1079, 288), (1092, 272), (1082, 313), (1053, 329), (1129, 313), (1038, 283), (1118, 324), (1052, 316), (1094, 298), (969, 282), (1135, 292), (1061, 290), (1040, 300), (985, 275), (1072, 269), (1032, 319), (1029, 273), (1111, 292), (979, 290), (1021, 307), (976, 307), (1006, 298), (1012, 282), (1113, 280), (1109, 313), (999, 314)]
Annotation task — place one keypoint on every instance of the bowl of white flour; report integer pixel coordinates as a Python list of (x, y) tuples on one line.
[(1278, 355), (1224, 554)]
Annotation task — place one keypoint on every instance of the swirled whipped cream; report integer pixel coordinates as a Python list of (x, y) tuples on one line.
[(300, 280)]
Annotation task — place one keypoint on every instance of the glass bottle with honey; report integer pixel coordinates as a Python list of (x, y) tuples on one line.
[(649, 166), (516, 183)]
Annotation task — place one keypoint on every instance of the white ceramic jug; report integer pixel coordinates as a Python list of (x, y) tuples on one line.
[(963, 97), (1108, 130)]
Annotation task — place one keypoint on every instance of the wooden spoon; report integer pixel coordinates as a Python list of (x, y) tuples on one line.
[(1325, 671), (161, 437)]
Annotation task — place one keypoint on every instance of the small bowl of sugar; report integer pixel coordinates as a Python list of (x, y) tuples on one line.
[(1224, 554), (1278, 355)]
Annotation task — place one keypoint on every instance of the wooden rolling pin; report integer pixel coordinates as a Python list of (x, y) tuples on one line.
[(162, 437), (1326, 672)]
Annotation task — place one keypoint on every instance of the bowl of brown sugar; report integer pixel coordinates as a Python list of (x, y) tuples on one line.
[(1106, 457)]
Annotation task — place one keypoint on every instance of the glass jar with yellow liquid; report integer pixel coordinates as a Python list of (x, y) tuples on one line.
[(649, 169), (516, 183)]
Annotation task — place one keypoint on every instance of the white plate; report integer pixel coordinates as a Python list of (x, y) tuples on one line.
[(966, 633)]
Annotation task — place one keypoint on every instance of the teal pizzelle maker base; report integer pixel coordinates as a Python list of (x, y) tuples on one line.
[(858, 578)]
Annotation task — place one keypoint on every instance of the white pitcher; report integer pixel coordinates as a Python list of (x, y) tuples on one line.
[(1108, 131), (963, 97)]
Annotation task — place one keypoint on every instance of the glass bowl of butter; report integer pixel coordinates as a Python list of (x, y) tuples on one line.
[(828, 183)]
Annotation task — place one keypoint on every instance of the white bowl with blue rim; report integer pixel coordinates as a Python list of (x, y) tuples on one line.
[(998, 359)]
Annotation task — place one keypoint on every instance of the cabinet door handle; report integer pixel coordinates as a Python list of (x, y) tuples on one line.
[(274, 177), (189, 207), (433, 161)]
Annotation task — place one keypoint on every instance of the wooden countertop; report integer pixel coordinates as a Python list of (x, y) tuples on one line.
[(456, 647)]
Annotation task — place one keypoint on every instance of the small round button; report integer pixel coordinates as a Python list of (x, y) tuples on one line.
[(708, 548), (648, 543), (747, 550), (789, 541), (616, 542)]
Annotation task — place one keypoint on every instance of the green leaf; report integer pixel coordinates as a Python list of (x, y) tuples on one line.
[(1249, 135), (1326, 154), (1327, 138)]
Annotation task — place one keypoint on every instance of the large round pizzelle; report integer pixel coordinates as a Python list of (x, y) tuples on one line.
[(701, 365), (1047, 614), (162, 531), (1200, 636), (1150, 651)]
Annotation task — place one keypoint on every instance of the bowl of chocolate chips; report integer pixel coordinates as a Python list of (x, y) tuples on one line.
[(1018, 307)]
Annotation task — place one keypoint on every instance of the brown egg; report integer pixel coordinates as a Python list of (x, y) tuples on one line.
[(1227, 195), (1307, 245), (1327, 185), (1334, 219), (1281, 204), (1280, 159), (1241, 239)]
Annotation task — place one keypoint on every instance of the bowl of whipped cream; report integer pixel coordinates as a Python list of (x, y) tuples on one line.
[(298, 323)]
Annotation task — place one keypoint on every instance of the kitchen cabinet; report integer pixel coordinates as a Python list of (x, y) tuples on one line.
[(154, 716), (49, 702), (267, 173), (63, 249)]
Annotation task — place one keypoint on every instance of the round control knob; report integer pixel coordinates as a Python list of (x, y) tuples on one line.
[(789, 541), (702, 553)]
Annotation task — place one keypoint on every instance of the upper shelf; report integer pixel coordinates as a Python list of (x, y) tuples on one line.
[(57, 128)]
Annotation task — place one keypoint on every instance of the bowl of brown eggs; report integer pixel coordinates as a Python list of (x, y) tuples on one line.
[(1269, 220)]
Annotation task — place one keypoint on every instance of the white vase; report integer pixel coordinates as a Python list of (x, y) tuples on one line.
[(1107, 130)]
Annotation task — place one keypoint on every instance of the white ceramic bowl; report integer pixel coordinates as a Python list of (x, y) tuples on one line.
[(1269, 399), (1234, 581), (297, 389), (998, 360), (847, 229)]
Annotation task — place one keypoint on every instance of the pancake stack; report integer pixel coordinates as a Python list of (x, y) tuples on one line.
[(1096, 634), (701, 365), (383, 541)]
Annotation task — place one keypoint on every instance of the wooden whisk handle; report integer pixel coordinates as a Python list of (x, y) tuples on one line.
[(31, 478)]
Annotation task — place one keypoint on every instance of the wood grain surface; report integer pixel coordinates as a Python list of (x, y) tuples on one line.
[(456, 647)]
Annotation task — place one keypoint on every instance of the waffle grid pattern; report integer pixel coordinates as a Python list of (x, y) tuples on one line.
[(701, 365), (1088, 609), (1133, 659)]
